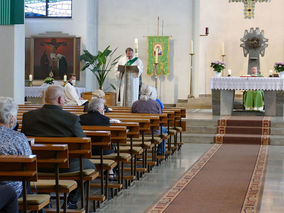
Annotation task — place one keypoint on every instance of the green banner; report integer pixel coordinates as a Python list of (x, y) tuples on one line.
[(158, 55)]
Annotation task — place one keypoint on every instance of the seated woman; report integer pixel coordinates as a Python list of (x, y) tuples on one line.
[(254, 99), (146, 104), (95, 117), (100, 94), (11, 142)]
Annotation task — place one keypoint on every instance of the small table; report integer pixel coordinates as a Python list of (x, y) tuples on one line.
[(223, 92)]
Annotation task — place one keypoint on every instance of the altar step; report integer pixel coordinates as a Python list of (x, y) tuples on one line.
[(240, 112), (202, 131)]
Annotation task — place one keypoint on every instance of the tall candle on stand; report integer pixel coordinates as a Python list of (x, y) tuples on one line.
[(191, 47), (223, 48), (30, 77), (136, 47), (156, 56), (65, 78)]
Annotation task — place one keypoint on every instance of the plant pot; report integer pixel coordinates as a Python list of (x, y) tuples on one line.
[(218, 74), (281, 74)]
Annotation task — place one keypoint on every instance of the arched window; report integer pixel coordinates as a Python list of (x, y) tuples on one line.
[(48, 8)]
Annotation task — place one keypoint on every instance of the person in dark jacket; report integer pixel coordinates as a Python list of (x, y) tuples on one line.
[(52, 121), (95, 117)]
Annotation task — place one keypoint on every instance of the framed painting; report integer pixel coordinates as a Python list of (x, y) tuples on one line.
[(53, 57)]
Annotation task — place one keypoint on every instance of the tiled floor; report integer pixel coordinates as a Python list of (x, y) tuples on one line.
[(148, 190), (139, 197), (144, 193)]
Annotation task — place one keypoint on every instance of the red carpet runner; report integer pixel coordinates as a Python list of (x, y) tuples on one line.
[(228, 178), (243, 130)]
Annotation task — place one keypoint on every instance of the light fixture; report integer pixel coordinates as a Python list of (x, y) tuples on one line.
[(249, 6)]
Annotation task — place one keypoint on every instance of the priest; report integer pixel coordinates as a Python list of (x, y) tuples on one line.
[(254, 99), (128, 60)]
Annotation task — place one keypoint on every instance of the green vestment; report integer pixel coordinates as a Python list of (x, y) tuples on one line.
[(254, 99)]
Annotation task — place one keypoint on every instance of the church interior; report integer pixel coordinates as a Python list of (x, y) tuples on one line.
[(160, 105)]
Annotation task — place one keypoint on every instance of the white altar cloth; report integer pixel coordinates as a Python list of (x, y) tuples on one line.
[(247, 83), (36, 91)]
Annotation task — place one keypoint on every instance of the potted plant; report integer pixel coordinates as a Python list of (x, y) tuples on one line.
[(48, 80), (279, 67), (218, 66), (100, 64)]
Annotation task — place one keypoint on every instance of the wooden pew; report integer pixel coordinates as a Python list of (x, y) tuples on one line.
[(51, 156), (78, 148), (101, 140), (23, 168), (118, 137)]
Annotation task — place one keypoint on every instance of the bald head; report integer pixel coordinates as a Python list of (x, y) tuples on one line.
[(55, 95)]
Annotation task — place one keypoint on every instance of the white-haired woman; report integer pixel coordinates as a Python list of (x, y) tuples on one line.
[(11, 142), (148, 104)]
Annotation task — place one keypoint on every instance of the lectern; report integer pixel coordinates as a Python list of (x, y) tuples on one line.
[(127, 75)]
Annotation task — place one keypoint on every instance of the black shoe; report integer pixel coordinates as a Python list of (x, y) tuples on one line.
[(71, 205)]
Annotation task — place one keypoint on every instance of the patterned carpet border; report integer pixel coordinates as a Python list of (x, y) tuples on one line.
[(255, 189), (174, 191)]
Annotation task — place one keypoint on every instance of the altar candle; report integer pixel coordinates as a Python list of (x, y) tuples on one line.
[(136, 46), (156, 56), (30, 77), (191, 47), (270, 72), (65, 78), (229, 72), (223, 48)]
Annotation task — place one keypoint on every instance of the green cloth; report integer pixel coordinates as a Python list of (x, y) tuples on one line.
[(131, 61), (253, 98), (162, 43)]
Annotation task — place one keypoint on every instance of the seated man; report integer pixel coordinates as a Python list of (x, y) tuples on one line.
[(71, 95), (147, 105), (52, 121), (96, 117), (11, 142), (254, 99)]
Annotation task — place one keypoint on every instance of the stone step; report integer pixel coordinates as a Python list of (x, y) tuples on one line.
[(202, 129), (198, 138)]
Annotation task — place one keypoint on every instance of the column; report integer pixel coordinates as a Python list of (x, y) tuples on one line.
[(12, 43)]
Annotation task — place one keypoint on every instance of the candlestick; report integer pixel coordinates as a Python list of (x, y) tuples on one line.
[(191, 47), (229, 72), (270, 73), (136, 47), (190, 76), (30, 77), (157, 56), (223, 48), (65, 78)]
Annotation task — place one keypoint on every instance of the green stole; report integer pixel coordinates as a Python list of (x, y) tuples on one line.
[(131, 61)]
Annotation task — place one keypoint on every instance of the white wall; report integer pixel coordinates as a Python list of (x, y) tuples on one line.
[(120, 21), (227, 24), (82, 24)]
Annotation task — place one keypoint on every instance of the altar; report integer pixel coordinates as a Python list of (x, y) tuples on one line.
[(223, 92), (34, 93)]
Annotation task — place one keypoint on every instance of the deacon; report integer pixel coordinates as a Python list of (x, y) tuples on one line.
[(129, 60)]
